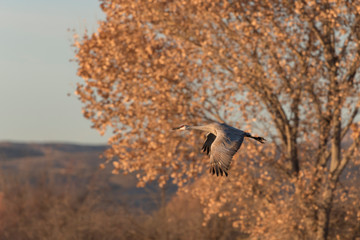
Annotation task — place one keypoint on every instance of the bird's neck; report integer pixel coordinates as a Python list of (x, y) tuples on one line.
[(202, 128)]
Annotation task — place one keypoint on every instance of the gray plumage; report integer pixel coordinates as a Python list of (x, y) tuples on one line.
[(222, 142)]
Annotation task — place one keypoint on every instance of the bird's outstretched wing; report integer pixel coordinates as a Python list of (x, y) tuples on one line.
[(207, 144), (221, 154)]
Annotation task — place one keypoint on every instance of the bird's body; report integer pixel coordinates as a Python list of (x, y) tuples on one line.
[(222, 142)]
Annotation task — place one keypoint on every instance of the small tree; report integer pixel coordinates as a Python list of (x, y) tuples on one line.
[(287, 68)]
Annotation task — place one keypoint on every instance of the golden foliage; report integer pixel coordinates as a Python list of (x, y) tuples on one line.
[(288, 69)]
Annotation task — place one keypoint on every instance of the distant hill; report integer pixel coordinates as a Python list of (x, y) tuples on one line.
[(17, 150), (78, 165), (10, 150)]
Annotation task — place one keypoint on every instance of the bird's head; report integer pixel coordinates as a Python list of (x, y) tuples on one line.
[(182, 127)]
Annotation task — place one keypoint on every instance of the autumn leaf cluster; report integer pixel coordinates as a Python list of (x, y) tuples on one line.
[(285, 69)]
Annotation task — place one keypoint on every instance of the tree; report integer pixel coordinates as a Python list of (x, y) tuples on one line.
[(285, 68)]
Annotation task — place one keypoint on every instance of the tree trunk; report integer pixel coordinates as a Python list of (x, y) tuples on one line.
[(335, 145), (323, 214)]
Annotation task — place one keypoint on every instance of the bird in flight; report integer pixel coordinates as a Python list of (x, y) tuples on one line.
[(222, 142)]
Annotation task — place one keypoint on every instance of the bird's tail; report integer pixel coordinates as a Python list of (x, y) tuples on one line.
[(259, 139)]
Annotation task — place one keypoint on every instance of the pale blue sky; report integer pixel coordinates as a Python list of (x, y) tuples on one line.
[(35, 72)]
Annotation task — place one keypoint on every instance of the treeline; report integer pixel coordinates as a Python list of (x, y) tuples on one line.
[(38, 207)]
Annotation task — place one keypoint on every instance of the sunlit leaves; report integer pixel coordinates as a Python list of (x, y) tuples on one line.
[(288, 70)]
